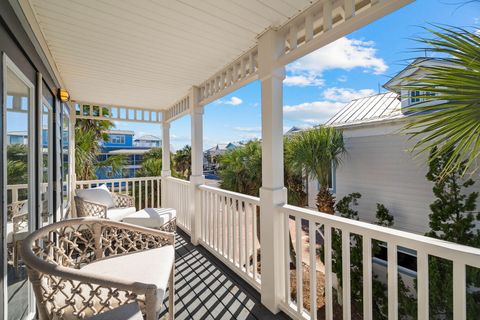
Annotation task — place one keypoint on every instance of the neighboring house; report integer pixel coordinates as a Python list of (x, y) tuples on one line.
[(122, 142), (378, 163), (17, 137), (211, 155), (147, 141)]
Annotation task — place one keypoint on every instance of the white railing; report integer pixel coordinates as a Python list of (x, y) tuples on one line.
[(177, 196), (308, 224), (229, 230), (146, 190), (19, 192)]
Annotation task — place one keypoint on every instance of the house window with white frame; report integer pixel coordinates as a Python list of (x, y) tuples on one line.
[(117, 139), (416, 96), (331, 179)]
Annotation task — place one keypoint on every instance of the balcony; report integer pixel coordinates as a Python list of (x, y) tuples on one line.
[(218, 277), (237, 256)]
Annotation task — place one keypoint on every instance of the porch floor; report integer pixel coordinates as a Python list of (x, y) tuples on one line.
[(207, 289)]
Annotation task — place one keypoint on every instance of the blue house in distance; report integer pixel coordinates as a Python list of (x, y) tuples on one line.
[(122, 142)]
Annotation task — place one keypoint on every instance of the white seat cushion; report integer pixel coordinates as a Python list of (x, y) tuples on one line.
[(99, 194), (9, 232), (129, 311), (151, 217), (20, 235), (148, 267), (118, 214)]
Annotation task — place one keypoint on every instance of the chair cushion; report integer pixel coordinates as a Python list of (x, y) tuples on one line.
[(99, 194), (129, 311), (148, 267), (118, 214), (151, 217), (20, 235)]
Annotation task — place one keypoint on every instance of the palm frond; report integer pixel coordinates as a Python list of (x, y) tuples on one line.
[(450, 118)]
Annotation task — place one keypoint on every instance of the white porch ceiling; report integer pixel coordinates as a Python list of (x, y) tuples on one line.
[(148, 53)]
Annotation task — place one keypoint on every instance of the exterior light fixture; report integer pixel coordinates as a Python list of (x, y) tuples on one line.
[(63, 95)]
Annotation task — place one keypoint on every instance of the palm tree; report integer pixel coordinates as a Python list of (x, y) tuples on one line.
[(183, 162), (89, 134), (151, 163), (241, 169), (451, 119), (315, 151)]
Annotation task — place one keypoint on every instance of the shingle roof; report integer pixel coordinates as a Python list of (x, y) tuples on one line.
[(380, 107)]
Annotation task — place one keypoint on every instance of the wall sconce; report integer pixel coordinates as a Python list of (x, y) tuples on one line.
[(63, 95)]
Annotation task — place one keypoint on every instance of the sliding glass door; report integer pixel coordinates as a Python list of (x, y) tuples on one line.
[(19, 219)]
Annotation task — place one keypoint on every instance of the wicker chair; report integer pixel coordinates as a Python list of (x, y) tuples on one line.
[(17, 229), (86, 266), (93, 209)]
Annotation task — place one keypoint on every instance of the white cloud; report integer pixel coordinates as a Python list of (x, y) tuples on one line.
[(345, 54), (234, 101), (303, 81), (312, 112), (248, 129), (317, 112), (345, 94)]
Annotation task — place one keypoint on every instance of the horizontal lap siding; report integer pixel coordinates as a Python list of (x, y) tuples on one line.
[(381, 168)]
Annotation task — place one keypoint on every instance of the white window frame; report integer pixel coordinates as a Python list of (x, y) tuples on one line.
[(113, 139), (8, 64), (44, 102)]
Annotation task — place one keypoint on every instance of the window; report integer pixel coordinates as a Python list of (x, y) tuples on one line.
[(419, 96), (331, 179), (66, 157), (19, 116), (117, 139), (46, 154)]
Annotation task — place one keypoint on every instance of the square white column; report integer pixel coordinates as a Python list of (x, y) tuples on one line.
[(197, 178), (273, 194)]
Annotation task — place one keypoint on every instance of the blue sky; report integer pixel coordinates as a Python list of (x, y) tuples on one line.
[(318, 85)]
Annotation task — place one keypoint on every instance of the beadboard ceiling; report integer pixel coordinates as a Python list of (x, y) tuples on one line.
[(148, 53)]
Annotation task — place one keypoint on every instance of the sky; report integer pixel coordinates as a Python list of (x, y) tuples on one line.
[(321, 83)]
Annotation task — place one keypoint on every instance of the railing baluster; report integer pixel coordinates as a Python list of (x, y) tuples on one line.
[(346, 284), (459, 291), (422, 285), (298, 263), (328, 272), (254, 236), (234, 230), (367, 278), (245, 234), (392, 281), (286, 252), (312, 236)]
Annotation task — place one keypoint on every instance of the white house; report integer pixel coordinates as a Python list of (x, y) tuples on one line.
[(379, 164)]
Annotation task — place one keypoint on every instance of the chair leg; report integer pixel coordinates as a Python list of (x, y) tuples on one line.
[(171, 295)]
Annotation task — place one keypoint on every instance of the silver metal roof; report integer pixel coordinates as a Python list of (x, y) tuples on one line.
[(380, 107)]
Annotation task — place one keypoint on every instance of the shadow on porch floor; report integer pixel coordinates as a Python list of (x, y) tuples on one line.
[(206, 289)]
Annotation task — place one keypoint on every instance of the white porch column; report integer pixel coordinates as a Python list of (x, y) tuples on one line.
[(165, 159), (273, 193), (197, 178)]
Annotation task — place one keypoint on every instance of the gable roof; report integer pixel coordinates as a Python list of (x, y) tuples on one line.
[(148, 137), (380, 107)]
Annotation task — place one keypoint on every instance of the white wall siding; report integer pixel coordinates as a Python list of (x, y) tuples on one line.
[(380, 167)]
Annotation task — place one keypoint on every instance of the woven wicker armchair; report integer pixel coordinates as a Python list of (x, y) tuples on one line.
[(17, 229), (64, 263), (93, 209)]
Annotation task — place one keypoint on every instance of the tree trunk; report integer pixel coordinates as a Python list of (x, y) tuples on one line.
[(325, 201)]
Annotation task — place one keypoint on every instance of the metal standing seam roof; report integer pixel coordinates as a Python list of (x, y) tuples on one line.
[(380, 107)]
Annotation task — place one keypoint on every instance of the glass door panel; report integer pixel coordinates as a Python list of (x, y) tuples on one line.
[(18, 123), (46, 154)]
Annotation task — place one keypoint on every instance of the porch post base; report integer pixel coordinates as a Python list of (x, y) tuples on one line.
[(272, 240)]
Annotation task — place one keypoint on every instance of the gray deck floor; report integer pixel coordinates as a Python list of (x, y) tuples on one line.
[(206, 289)]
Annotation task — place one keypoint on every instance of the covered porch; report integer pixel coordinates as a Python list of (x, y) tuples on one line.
[(232, 250)]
